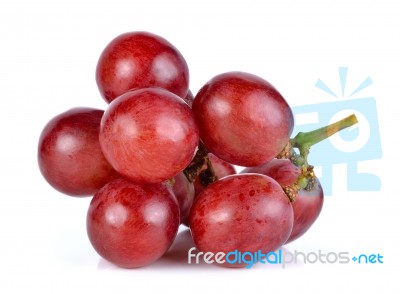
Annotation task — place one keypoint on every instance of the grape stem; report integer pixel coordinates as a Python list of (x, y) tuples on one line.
[(304, 140)]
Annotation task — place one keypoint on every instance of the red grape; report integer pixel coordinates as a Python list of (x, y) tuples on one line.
[(221, 169), (306, 209), (242, 118), (132, 225), (307, 204), (244, 212), (184, 193), (69, 153), (140, 60), (281, 170), (149, 135)]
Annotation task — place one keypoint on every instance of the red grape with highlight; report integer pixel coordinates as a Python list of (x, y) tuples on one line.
[(242, 118), (244, 212), (149, 135), (69, 153), (138, 60), (132, 225), (307, 205)]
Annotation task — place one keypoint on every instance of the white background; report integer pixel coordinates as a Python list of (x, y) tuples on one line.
[(48, 54)]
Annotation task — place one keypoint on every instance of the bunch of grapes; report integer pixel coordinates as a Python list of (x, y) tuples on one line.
[(158, 157)]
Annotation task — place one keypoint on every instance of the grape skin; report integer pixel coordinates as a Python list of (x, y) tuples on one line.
[(149, 135), (137, 60), (281, 170), (69, 153), (132, 225), (242, 118), (244, 212), (307, 205)]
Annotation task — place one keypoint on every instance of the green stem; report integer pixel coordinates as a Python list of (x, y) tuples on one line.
[(304, 140)]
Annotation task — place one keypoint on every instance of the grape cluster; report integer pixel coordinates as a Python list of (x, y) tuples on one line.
[(158, 157)]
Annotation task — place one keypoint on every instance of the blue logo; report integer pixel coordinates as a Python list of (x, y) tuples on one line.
[(350, 146)]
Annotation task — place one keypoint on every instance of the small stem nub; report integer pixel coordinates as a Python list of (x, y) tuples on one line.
[(196, 167)]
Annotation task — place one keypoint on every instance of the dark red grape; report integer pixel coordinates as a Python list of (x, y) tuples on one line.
[(244, 212), (132, 225), (149, 135), (140, 60), (69, 153), (281, 170), (221, 169), (242, 118), (307, 205), (184, 192), (306, 209)]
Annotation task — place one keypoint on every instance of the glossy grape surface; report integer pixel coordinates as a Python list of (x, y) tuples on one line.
[(138, 60), (244, 212), (307, 207), (69, 153), (149, 135), (281, 170), (132, 225), (242, 118)]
